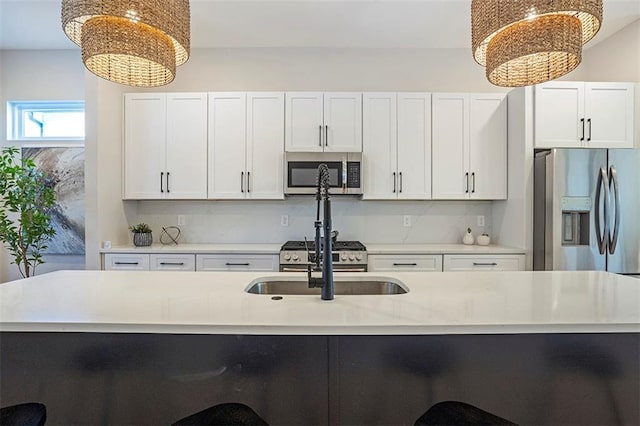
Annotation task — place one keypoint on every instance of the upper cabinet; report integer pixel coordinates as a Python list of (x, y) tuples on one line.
[(246, 145), (397, 146), (469, 146), (165, 146), (323, 122), (571, 114)]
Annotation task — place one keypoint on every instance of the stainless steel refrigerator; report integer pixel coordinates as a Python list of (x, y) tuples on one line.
[(587, 210)]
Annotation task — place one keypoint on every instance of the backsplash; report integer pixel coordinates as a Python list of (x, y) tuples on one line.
[(367, 221)]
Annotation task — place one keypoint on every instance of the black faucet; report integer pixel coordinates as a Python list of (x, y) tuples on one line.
[(324, 260)]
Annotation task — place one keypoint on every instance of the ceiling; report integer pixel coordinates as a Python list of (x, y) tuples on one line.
[(35, 24)]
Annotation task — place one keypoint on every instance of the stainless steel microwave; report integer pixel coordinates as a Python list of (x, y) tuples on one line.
[(301, 172)]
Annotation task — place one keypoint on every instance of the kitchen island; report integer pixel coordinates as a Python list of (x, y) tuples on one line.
[(152, 347)]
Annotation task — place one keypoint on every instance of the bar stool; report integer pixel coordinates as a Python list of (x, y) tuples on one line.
[(229, 414), (29, 414), (459, 414)]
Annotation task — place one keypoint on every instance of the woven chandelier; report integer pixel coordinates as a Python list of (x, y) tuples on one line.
[(132, 42), (526, 42)]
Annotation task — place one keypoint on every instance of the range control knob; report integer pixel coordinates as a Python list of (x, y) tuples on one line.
[(344, 257), (287, 257), (295, 257), (358, 257), (351, 257)]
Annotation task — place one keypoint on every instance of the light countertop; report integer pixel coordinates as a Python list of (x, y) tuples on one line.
[(216, 303), (275, 249)]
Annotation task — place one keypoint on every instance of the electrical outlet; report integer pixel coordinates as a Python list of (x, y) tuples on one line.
[(284, 220), (480, 220), (181, 220), (406, 221)]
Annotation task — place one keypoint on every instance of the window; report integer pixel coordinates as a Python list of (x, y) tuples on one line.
[(45, 120)]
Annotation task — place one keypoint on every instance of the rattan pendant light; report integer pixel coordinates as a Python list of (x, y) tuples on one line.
[(526, 42), (132, 42)]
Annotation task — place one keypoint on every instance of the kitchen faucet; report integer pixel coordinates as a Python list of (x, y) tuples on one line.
[(324, 260)]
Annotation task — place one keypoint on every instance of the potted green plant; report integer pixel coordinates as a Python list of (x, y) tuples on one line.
[(142, 236), (26, 198)]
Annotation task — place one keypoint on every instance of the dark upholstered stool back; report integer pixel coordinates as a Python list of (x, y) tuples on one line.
[(458, 414), (30, 414), (230, 414)]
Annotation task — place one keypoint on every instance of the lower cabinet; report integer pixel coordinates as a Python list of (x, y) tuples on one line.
[(491, 262), (237, 262), (149, 262), (405, 262)]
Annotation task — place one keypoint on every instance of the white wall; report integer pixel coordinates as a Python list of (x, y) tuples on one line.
[(38, 75), (615, 59)]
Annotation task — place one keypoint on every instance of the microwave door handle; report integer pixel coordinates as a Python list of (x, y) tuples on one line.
[(613, 240), (344, 174)]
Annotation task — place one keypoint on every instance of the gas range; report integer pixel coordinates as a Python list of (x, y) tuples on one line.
[(346, 255)]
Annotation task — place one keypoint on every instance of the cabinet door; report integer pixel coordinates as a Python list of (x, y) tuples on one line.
[(379, 146), (343, 122), (407, 262), (172, 262), (237, 262), (559, 115), (464, 262), (609, 112), (265, 146), (144, 145), (488, 146), (450, 146), (126, 262), (414, 146), (227, 145), (186, 170), (304, 128)]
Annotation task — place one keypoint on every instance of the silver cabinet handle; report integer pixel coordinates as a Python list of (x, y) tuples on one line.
[(241, 181), (602, 184), (466, 177), (589, 123), (320, 135), (400, 182), (126, 263), (248, 181), (405, 264), (168, 191), (236, 264), (485, 264), (161, 179), (582, 122), (473, 177), (326, 135), (613, 241), (394, 182), (172, 263)]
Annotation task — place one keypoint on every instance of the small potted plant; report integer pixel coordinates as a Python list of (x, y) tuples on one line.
[(142, 236), (483, 240)]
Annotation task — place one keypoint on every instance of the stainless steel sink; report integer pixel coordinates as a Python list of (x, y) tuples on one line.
[(343, 286)]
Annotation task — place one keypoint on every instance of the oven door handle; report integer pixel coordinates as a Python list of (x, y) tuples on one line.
[(285, 269)]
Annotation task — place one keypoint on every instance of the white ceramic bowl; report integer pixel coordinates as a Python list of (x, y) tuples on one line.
[(483, 240)]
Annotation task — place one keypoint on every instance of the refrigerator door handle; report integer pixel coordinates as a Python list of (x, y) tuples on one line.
[(613, 240), (602, 184)]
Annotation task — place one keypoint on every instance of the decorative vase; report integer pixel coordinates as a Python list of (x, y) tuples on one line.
[(483, 240), (141, 239), (468, 237)]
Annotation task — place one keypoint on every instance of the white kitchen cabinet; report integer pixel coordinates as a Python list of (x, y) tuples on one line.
[(574, 114), (126, 261), (397, 145), (172, 262), (237, 262), (405, 262), (246, 146), (323, 122), (165, 146), (482, 262), (469, 146)]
